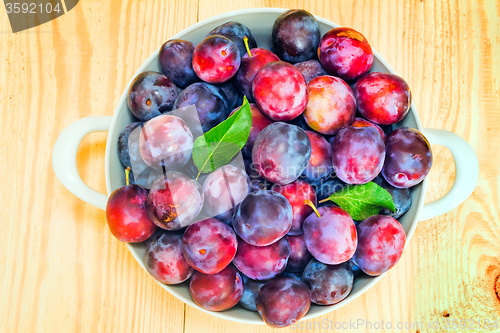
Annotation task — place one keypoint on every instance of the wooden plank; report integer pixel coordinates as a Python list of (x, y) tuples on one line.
[(62, 271)]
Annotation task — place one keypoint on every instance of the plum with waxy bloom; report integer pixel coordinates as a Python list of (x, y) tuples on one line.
[(331, 238), (358, 154), (263, 217), (283, 301), (164, 259), (123, 143), (236, 32), (166, 141), (224, 189), (211, 104), (299, 255), (176, 61), (281, 153), (250, 293)]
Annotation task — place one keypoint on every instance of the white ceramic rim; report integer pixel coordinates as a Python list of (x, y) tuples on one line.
[(223, 315)]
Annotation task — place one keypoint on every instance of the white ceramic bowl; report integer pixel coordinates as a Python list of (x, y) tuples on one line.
[(260, 22)]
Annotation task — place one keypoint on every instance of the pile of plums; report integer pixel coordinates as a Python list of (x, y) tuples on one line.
[(248, 233)]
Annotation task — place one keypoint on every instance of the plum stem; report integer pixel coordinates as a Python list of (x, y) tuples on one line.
[(245, 40), (324, 200), (310, 203), (127, 176)]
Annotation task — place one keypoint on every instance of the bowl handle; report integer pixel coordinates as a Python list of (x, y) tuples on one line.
[(64, 158), (466, 172)]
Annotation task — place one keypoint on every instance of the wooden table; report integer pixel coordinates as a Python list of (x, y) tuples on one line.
[(62, 271)]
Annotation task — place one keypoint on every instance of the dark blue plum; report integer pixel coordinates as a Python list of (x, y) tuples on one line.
[(326, 188), (299, 255), (250, 292), (295, 36), (401, 197), (164, 260), (210, 102), (329, 284), (387, 129), (311, 69), (229, 88), (140, 170), (409, 157), (176, 60), (236, 31), (300, 122), (123, 151), (150, 95), (356, 271)]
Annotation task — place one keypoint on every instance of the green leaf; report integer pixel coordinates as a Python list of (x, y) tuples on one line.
[(218, 146), (363, 201)]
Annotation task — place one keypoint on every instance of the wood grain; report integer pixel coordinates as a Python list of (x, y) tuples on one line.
[(62, 271)]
